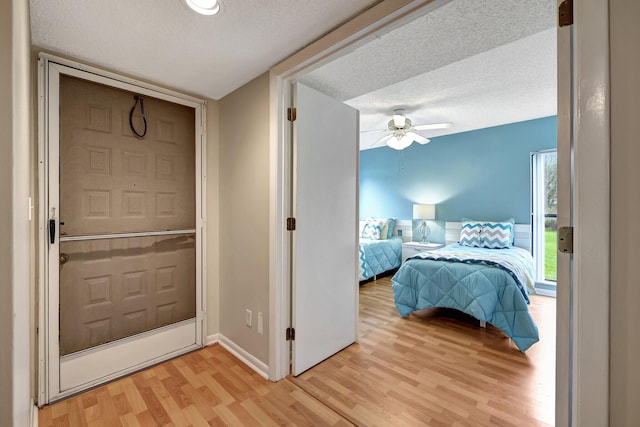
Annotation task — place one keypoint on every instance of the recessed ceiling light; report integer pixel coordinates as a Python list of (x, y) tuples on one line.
[(204, 7)]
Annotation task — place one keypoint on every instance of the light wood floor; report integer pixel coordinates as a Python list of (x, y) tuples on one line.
[(437, 367), (434, 368)]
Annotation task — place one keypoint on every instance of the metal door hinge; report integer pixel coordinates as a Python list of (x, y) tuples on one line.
[(565, 13), (565, 240), (291, 114), (291, 334), (291, 224)]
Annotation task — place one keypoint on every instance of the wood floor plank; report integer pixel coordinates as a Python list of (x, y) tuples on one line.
[(435, 367)]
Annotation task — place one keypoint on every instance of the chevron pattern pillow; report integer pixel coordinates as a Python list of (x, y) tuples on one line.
[(470, 233), (486, 234), (496, 235)]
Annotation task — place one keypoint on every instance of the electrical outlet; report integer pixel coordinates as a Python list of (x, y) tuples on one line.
[(248, 316), (260, 330)]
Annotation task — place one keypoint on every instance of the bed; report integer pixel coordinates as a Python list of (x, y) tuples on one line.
[(379, 256), (490, 284), (379, 250)]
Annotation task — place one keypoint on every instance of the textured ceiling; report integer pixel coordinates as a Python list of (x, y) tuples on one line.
[(165, 42), (477, 63)]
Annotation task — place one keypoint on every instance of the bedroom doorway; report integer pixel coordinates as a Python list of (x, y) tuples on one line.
[(121, 238), (582, 312)]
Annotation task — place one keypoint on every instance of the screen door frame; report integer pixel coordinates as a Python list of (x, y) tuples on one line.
[(187, 335)]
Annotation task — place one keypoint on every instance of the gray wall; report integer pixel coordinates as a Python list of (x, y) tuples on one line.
[(6, 276), (625, 205), (244, 215)]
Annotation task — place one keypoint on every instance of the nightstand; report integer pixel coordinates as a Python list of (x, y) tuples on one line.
[(412, 248)]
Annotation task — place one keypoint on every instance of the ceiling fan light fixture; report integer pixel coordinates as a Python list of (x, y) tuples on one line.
[(394, 143), (400, 142), (204, 7), (401, 132)]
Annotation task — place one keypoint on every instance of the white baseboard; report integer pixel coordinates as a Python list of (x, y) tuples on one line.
[(245, 357), (212, 339), (546, 292)]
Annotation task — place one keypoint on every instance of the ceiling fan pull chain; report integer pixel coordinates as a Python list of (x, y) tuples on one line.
[(144, 118)]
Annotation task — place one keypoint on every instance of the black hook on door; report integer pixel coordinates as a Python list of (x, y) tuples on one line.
[(144, 118)]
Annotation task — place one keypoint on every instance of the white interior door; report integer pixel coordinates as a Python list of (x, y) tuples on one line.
[(123, 230), (325, 276)]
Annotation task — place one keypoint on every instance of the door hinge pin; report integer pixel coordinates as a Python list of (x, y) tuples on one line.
[(291, 334), (291, 114), (291, 224), (565, 13)]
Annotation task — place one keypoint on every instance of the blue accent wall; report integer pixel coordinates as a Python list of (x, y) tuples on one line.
[(480, 174)]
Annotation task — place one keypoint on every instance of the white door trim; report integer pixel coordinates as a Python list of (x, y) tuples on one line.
[(587, 395), (49, 69), (591, 206)]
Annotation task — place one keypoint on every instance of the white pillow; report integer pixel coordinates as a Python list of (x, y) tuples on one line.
[(373, 229)]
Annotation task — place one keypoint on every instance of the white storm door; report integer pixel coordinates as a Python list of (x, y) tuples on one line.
[(325, 275), (124, 226)]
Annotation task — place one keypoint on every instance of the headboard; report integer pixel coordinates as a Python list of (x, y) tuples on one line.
[(522, 234)]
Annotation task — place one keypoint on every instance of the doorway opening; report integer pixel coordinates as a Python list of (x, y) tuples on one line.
[(386, 166), (582, 310)]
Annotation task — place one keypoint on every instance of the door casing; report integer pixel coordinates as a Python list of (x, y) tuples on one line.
[(48, 371), (582, 376)]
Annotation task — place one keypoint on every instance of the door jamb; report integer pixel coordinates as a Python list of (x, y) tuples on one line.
[(44, 61)]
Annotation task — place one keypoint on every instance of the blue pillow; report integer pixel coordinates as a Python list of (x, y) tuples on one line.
[(392, 224)]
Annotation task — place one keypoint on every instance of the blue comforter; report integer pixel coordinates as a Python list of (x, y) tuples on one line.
[(488, 284), (378, 256)]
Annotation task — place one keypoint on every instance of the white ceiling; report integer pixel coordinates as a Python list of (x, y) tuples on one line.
[(477, 63), (165, 42)]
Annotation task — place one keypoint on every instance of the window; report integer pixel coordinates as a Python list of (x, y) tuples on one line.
[(544, 217)]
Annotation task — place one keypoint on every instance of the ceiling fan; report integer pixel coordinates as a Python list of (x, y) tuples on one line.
[(402, 132)]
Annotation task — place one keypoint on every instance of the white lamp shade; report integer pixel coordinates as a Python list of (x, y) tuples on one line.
[(424, 211)]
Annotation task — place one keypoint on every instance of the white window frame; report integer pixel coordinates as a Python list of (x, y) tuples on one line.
[(538, 221)]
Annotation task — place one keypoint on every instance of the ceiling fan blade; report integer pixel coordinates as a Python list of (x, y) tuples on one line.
[(374, 130), (418, 138), (442, 125), (382, 140)]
